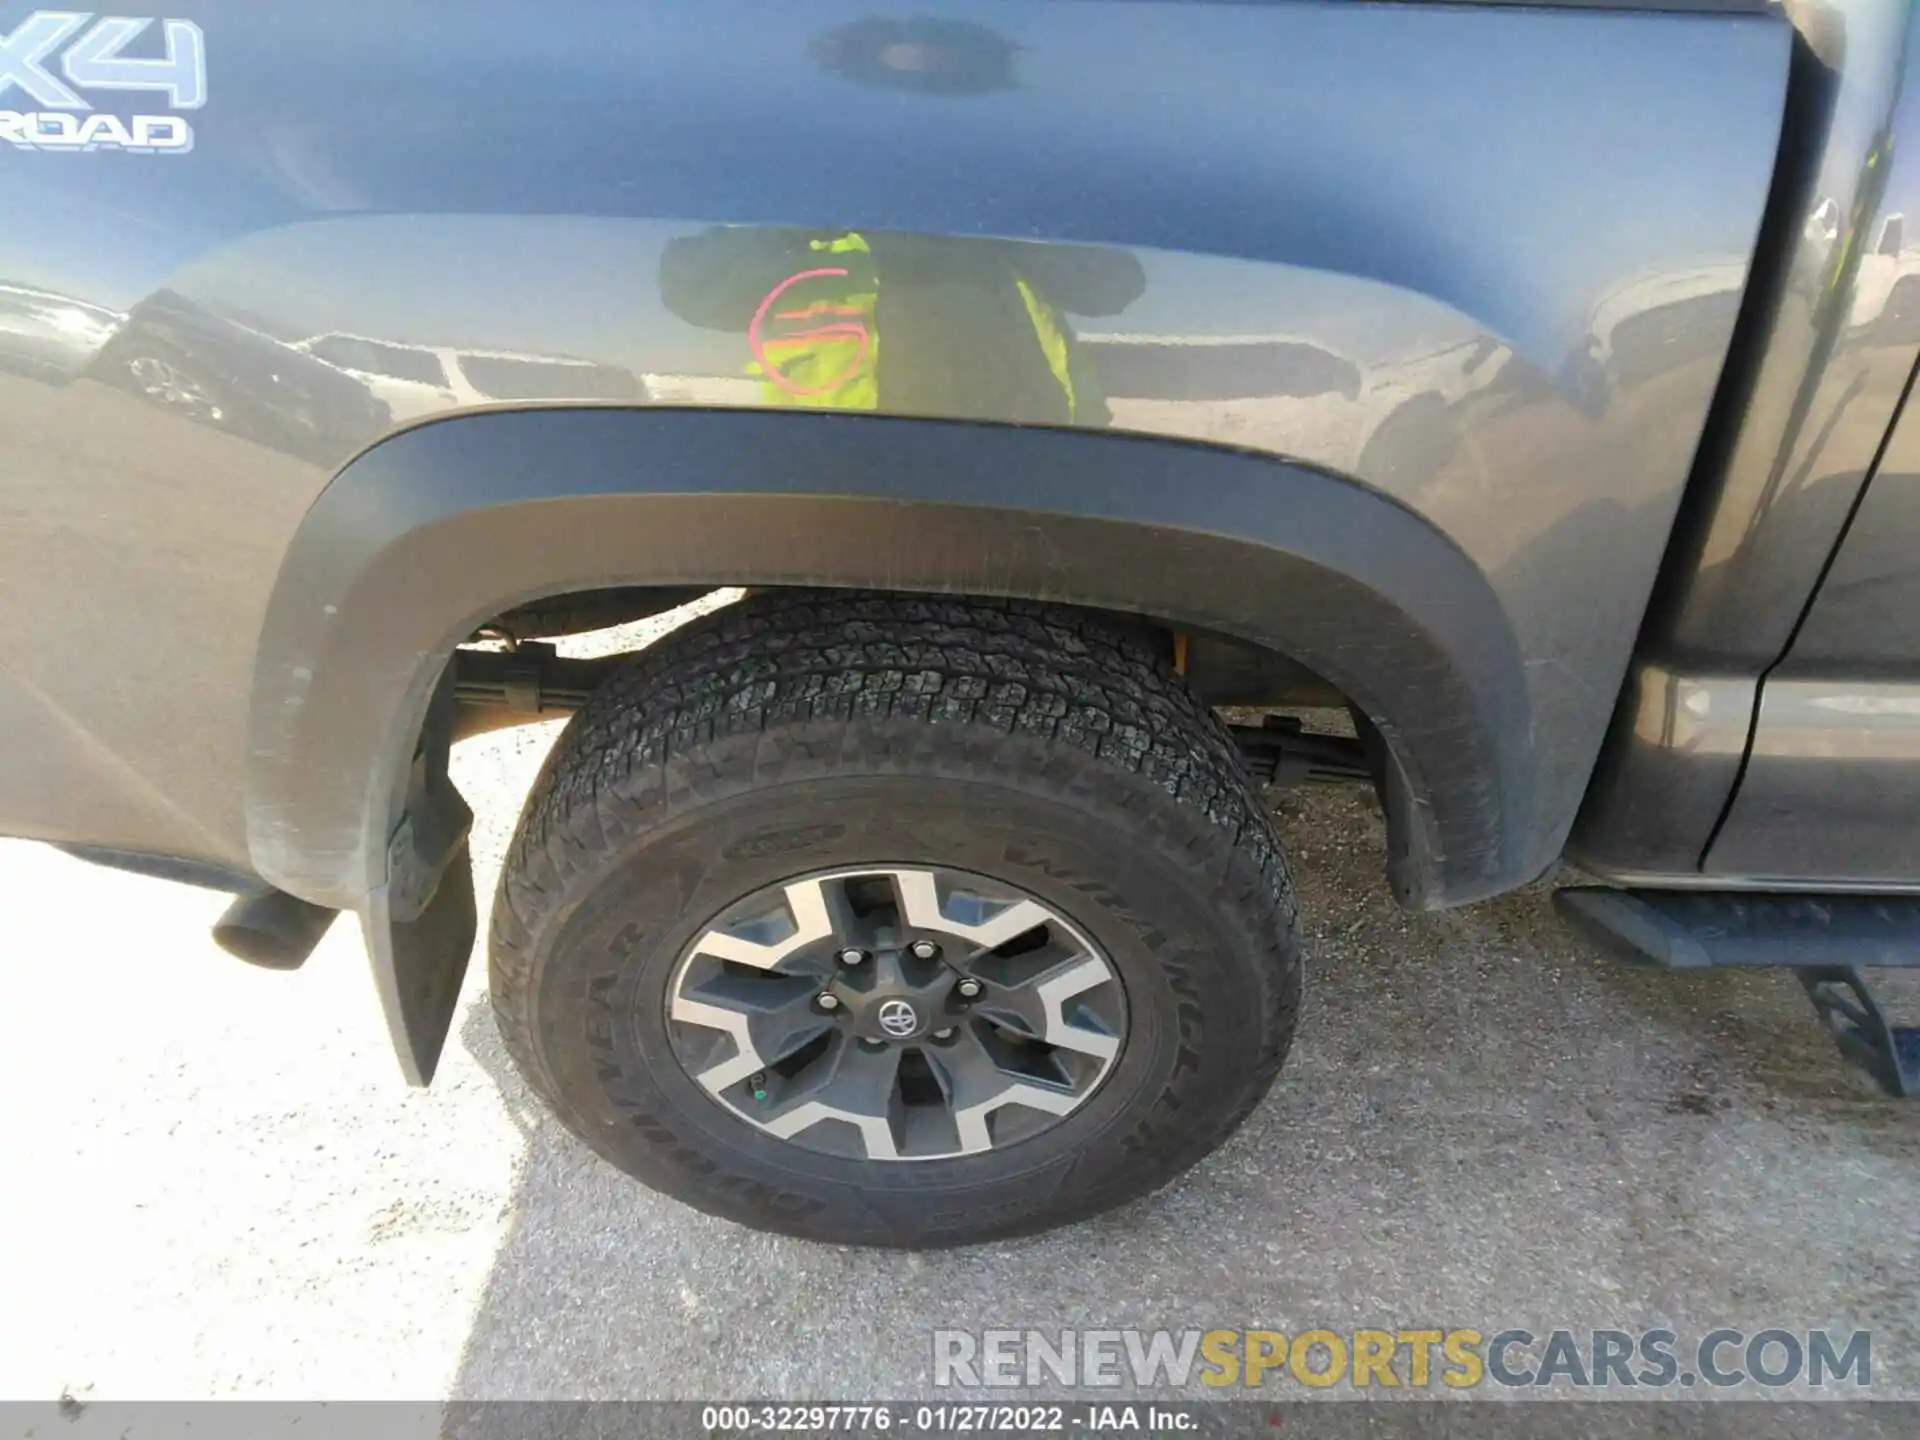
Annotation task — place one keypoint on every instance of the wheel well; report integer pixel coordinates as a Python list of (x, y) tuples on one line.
[(1287, 583), (1222, 670), (423, 540)]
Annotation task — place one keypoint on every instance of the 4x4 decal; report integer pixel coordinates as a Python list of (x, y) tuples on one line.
[(89, 54)]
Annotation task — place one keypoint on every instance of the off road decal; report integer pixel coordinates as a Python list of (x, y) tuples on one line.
[(53, 58)]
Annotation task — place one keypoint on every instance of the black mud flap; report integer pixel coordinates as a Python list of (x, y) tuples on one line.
[(420, 925)]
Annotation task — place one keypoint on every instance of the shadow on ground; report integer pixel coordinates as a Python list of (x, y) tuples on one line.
[(1484, 1124)]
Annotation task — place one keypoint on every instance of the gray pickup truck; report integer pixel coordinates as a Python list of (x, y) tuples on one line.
[(1518, 387)]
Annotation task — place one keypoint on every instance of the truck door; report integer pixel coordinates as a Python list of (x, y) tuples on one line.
[(1831, 791)]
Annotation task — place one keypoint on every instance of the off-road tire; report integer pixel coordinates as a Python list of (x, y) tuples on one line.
[(797, 731)]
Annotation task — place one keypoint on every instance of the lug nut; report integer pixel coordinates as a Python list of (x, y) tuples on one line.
[(852, 957), (827, 1001), (924, 949), (969, 989)]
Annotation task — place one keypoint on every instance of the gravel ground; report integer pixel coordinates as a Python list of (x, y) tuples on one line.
[(216, 1186)]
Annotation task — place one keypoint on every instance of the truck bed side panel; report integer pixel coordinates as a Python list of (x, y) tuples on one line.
[(1481, 261)]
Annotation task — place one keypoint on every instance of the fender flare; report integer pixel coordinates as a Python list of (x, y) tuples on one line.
[(435, 530)]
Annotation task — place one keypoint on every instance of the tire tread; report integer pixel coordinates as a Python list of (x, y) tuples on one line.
[(1089, 686)]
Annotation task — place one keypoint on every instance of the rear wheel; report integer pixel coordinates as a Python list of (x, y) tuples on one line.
[(896, 921)]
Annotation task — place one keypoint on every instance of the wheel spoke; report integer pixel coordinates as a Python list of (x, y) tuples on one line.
[(1016, 966), (769, 1020), (1038, 1006), (866, 1081), (1058, 988), (746, 1056), (807, 907), (863, 1091), (976, 1086), (886, 969), (920, 904), (791, 1031)]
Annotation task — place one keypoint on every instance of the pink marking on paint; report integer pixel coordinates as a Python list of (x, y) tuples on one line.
[(759, 343)]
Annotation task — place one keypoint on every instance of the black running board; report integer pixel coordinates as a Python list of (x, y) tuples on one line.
[(1829, 940)]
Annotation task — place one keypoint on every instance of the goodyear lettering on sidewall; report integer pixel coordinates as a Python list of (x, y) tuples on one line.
[(61, 69)]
